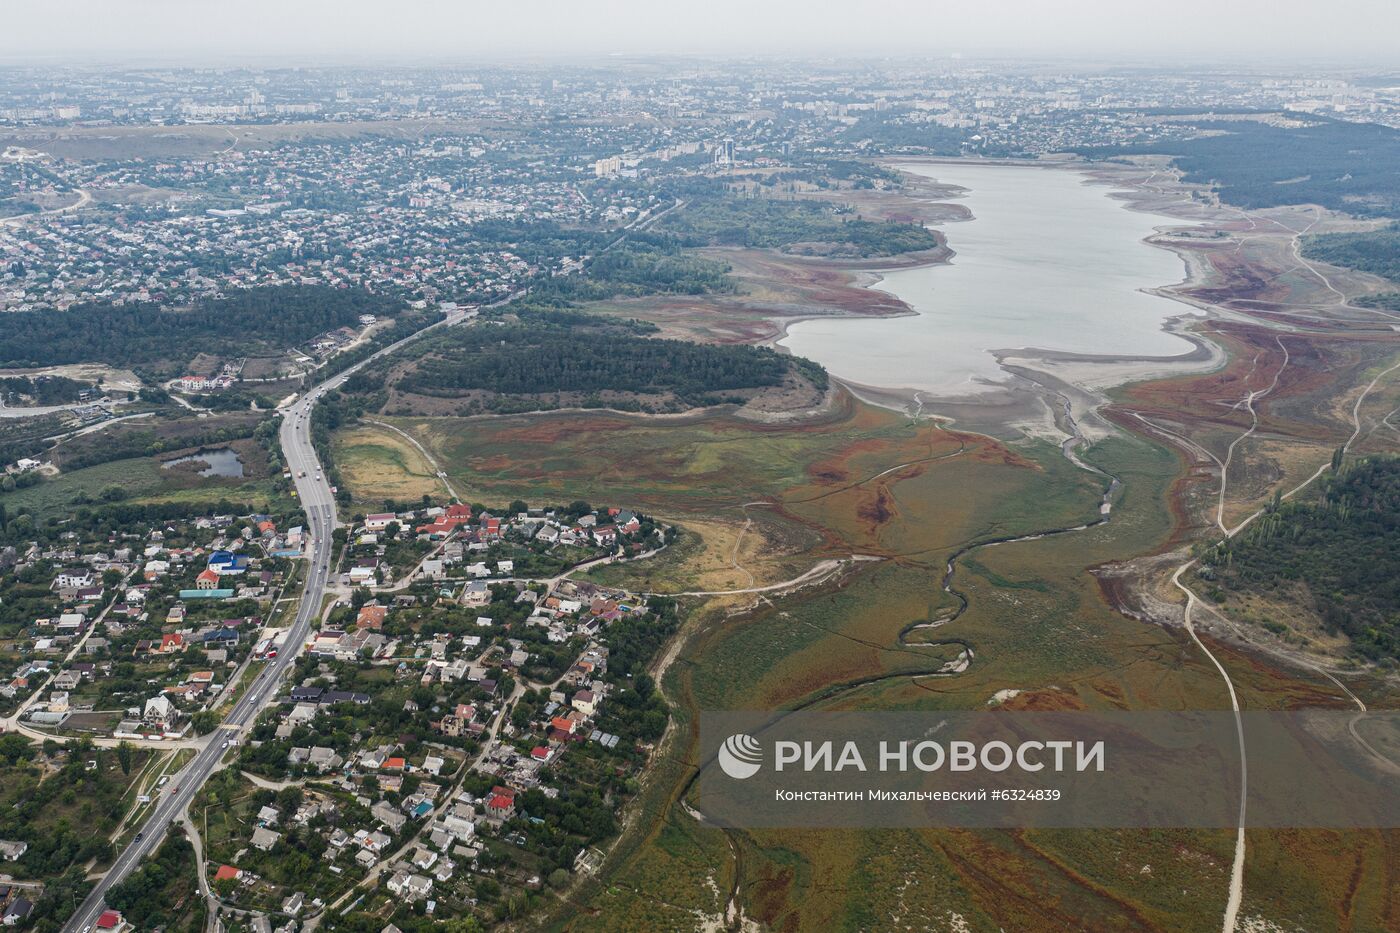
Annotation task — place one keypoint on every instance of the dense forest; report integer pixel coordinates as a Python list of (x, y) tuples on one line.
[(1344, 547), (770, 223), (1373, 251), (145, 333), (575, 353), (1352, 167)]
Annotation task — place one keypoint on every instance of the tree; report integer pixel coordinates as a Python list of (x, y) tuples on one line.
[(124, 757), (289, 798), (15, 748)]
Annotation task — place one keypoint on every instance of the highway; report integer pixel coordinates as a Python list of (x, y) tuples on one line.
[(320, 512), (314, 490)]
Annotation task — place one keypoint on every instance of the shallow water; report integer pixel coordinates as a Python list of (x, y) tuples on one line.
[(1050, 261), (221, 463)]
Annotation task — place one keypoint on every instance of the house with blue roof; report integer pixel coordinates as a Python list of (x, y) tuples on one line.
[(227, 562), (221, 637)]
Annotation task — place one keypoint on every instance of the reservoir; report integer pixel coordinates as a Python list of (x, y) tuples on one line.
[(1049, 261)]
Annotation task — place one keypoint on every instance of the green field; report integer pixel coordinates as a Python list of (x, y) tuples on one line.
[(138, 480), (770, 502)]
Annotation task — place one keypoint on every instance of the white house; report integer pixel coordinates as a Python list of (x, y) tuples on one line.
[(159, 711)]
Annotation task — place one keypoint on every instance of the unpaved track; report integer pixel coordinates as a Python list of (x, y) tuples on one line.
[(1236, 889), (438, 471)]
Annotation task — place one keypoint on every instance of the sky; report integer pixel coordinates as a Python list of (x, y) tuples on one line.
[(376, 31)]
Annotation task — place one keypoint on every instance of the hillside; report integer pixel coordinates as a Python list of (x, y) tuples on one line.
[(1333, 561), (537, 360), (1373, 251)]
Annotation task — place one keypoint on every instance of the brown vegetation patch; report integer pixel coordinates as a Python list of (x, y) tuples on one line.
[(878, 509)]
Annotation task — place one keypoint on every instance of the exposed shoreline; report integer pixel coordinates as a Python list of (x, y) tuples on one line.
[(1020, 404)]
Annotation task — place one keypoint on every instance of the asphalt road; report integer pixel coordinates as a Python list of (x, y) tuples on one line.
[(319, 503)]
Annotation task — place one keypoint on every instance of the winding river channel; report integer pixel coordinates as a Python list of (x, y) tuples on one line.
[(1049, 261)]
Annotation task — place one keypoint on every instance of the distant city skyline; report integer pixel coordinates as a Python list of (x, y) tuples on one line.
[(1245, 32)]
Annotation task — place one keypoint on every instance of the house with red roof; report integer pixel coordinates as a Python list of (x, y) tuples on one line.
[(227, 873), (437, 529), (207, 580), (501, 804), (110, 920), (372, 616)]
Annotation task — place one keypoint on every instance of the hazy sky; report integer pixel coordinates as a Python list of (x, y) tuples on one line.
[(312, 30)]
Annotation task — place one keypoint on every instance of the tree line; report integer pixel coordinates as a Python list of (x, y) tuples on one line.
[(532, 357), (145, 332)]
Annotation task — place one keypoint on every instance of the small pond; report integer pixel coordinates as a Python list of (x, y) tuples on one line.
[(223, 462)]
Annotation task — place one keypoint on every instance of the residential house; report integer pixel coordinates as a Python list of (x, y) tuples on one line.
[(585, 702), (500, 806), (18, 912), (226, 563), (161, 713), (264, 839), (388, 816)]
